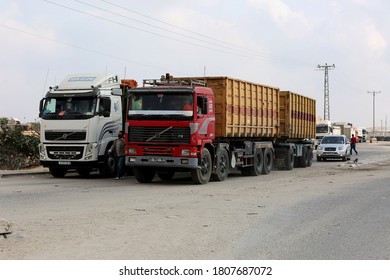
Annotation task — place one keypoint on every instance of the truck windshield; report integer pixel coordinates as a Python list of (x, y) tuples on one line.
[(161, 106), (322, 129), (69, 108)]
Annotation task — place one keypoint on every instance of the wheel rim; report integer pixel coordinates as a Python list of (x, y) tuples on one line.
[(223, 164), (205, 165)]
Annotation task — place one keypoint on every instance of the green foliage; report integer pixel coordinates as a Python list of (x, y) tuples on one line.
[(16, 149)]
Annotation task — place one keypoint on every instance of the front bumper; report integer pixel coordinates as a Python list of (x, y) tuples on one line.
[(332, 154), (159, 161), (70, 164)]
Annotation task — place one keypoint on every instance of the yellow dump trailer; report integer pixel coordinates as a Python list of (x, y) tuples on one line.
[(250, 110), (244, 109), (297, 116)]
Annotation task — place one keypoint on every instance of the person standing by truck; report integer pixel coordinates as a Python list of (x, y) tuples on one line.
[(117, 150), (353, 143)]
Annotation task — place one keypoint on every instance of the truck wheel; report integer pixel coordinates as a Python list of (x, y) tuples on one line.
[(84, 172), (304, 159), (108, 169), (58, 172), (144, 175), (289, 160), (222, 168), (310, 157), (202, 174), (166, 176), (258, 162), (268, 161)]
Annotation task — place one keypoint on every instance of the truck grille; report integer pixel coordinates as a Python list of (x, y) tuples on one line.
[(65, 152), (160, 151), (160, 134), (330, 149), (65, 135)]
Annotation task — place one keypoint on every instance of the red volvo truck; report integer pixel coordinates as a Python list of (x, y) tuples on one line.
[(212, 125)]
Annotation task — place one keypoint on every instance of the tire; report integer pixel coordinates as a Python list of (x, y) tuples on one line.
[(166, 176), (289, 160), (268, 161), (108, 169), (304, 159), (58, 172), (258, 162), (222, 166), (144, 175), (84, 172), (202, 174), (310, 157)]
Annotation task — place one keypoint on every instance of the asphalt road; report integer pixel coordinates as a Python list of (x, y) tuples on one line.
[(332, 210)]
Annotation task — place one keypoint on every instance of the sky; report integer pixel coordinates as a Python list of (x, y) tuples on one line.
[(278, 43)]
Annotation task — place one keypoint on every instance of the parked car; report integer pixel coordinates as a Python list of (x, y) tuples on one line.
[(334, 146)]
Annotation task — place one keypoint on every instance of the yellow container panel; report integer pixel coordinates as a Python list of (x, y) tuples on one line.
[(297, 116), (244, 109)]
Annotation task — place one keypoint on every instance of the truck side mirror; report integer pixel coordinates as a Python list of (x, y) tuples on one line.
[(41, 107)]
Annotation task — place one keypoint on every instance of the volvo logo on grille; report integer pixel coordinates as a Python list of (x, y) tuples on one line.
[(64, 136)]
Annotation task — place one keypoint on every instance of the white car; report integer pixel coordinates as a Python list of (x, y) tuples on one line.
[(334, 146)]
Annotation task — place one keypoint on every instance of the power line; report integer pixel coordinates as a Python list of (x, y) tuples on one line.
[(143, 30), (234, 52), (178, 27), (77, 47), (155, 26)]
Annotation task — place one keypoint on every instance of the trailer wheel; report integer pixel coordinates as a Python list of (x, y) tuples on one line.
[(144, 175), (289, 160), (202, 174), (268, 161), (310, 157), (258, 162), (304, 159), (222, 166), (58, 172)]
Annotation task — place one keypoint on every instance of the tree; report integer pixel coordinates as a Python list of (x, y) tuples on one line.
[(16, 149)]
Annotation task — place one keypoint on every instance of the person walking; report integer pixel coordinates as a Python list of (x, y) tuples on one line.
[(117, 150), (353, 144)]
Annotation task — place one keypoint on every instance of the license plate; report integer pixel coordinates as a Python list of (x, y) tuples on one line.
[(64, 163)]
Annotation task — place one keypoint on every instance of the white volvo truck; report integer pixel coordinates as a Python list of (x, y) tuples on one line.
[(80, 119)]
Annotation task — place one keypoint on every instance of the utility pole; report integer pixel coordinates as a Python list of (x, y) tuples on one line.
[(373, 109), (326, 90)]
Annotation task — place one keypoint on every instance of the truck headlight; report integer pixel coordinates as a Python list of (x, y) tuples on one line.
[(320, 148), (192, 152), (41, 152), (132, 151)]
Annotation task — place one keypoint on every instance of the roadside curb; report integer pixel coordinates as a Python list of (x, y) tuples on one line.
[(23, 172), (5, 175)]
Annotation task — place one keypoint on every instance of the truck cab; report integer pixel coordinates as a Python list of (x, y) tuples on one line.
[(168, 125), (80, 119)]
